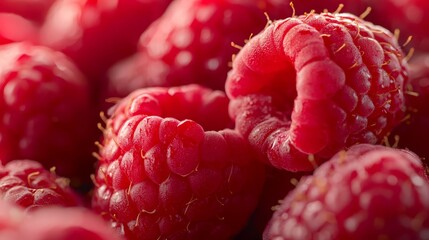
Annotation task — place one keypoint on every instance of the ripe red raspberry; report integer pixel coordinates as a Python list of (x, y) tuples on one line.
[(368, 192), (14, 28), (53, 223), (415, 127), (34, 10), (97, 33), (28, 184), (65, 224), (169, 168), (191, 43), (310, 85), (45, 110)]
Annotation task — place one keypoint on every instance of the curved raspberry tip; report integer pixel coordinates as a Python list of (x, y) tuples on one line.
[(315, 84), (162, 172)]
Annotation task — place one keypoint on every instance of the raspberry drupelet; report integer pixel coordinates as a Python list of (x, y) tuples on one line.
[(27, 184), (170, 167), (310, 85), (367, 192)]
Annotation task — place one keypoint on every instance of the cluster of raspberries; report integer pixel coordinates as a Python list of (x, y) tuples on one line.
[(208, 119)]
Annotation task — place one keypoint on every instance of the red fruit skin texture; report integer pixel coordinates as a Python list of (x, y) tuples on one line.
[(191, 43), (66, 224), (53, 223), (368, 192), (412, 132), (10, 218), (97, 33), (45, 110), (164, 175), (311, 85), (34, 10), (27, 184), (14, 28), (356, 7)]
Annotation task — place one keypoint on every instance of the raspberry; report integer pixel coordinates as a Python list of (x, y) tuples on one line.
[(191, 43), (45, 110), (14, 28), (34, 10), (79, 223), (54, 223), (368, 192), (349, 6), (10, 214), (28, 184), (311, 85), (170, 168), (97, 33), (411, 132)]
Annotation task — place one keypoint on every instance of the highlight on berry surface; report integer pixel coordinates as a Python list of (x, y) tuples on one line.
[(54, 223), (45, 110)]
